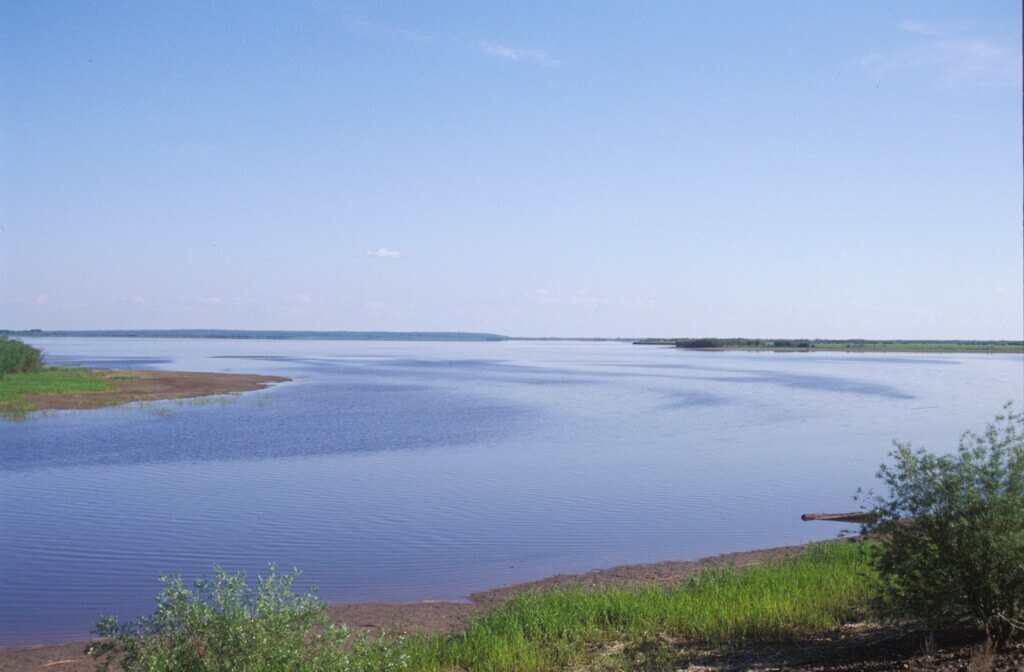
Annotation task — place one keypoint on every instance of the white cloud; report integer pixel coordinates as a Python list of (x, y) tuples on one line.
[(210, 300), (301, 299), (953, 56), (137, 299), (538, 56), (383, 253)]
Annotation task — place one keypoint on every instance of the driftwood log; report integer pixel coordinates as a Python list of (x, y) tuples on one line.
[(858, 517)]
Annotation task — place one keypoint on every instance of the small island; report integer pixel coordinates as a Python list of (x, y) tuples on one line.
[(27, 385)]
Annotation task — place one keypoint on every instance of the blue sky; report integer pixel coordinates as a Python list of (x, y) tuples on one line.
[(766, 169)]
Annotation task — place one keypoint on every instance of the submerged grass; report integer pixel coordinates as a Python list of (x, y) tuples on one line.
[(50, 380), (581, 629)]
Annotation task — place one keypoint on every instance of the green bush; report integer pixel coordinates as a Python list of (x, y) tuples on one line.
[(224, 625), (952, 544), (18, 357)]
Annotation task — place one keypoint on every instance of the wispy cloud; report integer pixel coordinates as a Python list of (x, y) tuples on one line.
[(952, 53), (537, 56), (383, 253)]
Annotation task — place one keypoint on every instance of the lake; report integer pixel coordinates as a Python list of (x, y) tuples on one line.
[(403, 471)]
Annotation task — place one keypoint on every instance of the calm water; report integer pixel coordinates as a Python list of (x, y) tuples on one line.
[(408, 471)]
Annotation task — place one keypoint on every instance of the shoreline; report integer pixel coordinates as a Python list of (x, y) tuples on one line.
[(436, 616), (124, 386)]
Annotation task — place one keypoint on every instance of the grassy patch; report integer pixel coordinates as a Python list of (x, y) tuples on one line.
[(783, 601), (14, 387)]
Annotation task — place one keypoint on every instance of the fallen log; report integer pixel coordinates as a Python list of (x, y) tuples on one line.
[(859, 517)]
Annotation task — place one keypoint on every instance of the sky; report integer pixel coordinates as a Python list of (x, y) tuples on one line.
[(617, 169)]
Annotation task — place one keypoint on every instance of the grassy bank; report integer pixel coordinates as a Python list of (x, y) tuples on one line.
[(16, 389), (556, 630)]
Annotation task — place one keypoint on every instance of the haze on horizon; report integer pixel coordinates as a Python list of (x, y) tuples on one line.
[(829, 170)]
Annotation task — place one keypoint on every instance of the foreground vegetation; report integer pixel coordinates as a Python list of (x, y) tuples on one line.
[(952, 532), (841, 345), (222, 624)]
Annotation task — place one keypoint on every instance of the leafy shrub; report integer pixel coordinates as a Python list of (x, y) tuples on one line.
[(18, 357), (224, 625), (953, 531)]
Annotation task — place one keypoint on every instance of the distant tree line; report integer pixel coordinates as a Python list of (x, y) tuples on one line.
[(828, 343), (742, 342)]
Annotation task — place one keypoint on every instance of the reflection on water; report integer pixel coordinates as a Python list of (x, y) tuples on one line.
[(402, 471)]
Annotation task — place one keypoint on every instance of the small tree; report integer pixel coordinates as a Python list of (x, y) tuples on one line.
[(18, 357), (952, 531)]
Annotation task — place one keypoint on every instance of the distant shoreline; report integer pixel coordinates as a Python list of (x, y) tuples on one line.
[(705, 344), (836, 345)]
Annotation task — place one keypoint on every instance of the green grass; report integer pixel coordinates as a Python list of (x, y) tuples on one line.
[(788, 600), (810, 595), (50, 380), (577, 629)]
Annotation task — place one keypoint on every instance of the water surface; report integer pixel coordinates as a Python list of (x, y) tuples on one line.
[(406, 471)]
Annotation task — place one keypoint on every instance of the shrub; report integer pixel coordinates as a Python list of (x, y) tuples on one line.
[(223, 625), (953, 531), (18, 357)]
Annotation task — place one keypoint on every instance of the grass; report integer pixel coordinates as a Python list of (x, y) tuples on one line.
[(787, 600), (50, 380), (577, 629)]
